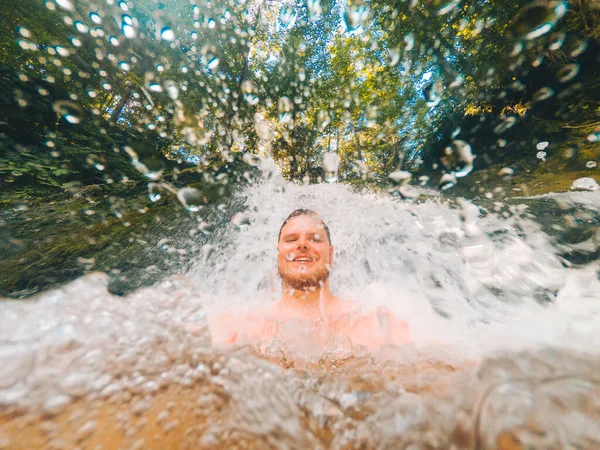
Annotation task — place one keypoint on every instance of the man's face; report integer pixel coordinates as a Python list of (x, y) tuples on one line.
[(304, 254)]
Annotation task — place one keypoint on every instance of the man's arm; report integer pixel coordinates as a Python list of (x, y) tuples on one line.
[(380, 327)]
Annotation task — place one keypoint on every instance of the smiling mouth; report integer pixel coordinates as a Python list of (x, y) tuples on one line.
[(304, 260)]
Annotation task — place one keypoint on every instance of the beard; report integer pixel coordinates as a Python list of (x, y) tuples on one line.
[(304, 281)]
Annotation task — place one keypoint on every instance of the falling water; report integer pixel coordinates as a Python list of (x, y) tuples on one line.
[(498, 323)]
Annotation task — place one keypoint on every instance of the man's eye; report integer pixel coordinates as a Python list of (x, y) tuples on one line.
[(290, 240)]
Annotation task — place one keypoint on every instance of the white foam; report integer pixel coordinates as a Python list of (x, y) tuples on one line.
[(469, 286)]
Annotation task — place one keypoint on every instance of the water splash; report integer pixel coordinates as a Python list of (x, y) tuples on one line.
[(468, 282), (355, 16), (331, 164), (458, 158), (287, 16), (537, 19)]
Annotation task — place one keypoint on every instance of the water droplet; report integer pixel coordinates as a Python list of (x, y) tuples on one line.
[(505, 124), (96, 161), (559, 40), (124, 66), (155, 87), (331, 165), (432, 94), (191, 198), (76, 42), (541, 155), (323, 119), (24, 32), (251, 160), (400, 178), (591, 164), (440, 7), (65, 4), (458, 158), (86, 263), (172, 89), (585, 184), (106, 86), (81, 27), (154, 191), (206, 228), (568, 72), (579, 49), (127, 26), (536, 19), (94, 17), (147, 164), (447, 181), (251, 99), (314, 9), (542, 145), (69, 111), (26, 45), (128, 31), (86, 430), (61, 50), (393, 57), (247, 87), (543, 94), (114, 41), (213, 63), (160, 68), (409, 40), (123, 5), (287, 16), (183, 69), (355, 15), (370, 116), (506, 172), (261, 127), (211, 24), (241, 220), (167, 34), (593, 137), (56, 403), (285, 108)]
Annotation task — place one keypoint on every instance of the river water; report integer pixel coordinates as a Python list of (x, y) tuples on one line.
[(502, 295), (504, 351)]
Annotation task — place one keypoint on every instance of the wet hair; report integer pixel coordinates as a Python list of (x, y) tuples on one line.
[(305, 212)]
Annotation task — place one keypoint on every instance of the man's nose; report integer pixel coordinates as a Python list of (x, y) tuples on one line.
[(302, 242)]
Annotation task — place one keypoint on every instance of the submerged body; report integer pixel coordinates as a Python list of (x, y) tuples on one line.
[(308, 309), (282, 323)]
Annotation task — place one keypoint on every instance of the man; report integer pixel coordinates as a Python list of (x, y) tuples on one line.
[(304, 261)]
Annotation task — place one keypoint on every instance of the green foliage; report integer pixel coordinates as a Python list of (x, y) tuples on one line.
[(385, 90)]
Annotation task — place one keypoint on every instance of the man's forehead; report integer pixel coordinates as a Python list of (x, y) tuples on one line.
[(303, 223)]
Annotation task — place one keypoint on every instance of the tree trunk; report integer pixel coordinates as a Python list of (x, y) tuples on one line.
[(243, 76)]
